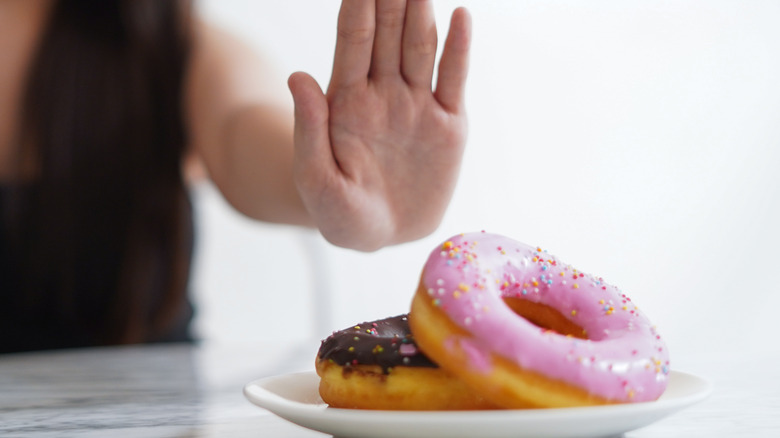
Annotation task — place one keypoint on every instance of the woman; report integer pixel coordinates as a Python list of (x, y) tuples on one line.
[(105, 105)]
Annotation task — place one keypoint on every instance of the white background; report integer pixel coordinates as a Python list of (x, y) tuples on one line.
[(636, 140)]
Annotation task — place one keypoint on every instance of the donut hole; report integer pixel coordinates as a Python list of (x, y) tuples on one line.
[(545, 317)]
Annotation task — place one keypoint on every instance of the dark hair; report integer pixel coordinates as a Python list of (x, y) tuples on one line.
[(104, 239)]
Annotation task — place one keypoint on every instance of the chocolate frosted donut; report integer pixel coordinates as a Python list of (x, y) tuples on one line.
[(387, 343), (377, 365)]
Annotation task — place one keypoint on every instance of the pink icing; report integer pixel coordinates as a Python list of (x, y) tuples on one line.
[(623, 359)]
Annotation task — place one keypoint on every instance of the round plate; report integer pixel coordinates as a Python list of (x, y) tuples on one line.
[(295, 397)]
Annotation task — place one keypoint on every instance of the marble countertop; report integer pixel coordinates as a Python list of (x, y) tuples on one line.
[(196, 391), (144, 391)]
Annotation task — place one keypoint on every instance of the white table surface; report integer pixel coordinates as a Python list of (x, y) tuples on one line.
[(196, 391)]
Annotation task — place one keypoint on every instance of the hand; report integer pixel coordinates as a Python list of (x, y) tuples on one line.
[(377, 157)]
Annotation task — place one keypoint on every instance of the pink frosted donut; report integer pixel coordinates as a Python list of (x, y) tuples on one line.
[(528, 330)]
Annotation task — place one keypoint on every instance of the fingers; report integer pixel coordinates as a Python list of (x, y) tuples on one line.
[(312, 142), (390, 16), (419, 44), (378, 38), (354, 43), (453, 66)]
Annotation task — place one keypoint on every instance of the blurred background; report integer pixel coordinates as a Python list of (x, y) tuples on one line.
[(636, 140)]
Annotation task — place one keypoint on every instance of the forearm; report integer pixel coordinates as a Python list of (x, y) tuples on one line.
[(241, 127), (254, 167)]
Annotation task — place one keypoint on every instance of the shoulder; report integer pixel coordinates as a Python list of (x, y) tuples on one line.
[(229, 70)]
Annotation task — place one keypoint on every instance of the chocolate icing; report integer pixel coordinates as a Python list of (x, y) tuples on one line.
[(387, 342)]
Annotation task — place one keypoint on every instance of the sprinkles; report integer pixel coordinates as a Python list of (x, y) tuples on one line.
[(483, 269)]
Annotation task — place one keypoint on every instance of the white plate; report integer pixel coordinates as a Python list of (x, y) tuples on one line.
[(295, 397)]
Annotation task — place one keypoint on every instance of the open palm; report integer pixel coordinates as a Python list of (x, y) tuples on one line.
[(377, 156)]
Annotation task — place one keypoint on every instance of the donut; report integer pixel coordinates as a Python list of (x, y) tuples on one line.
[(377, 365), (529, 331)]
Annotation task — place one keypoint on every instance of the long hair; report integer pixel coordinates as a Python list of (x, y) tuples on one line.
[(103, 237)]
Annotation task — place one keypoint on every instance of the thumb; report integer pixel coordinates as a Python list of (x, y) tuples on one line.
[(312, 140)]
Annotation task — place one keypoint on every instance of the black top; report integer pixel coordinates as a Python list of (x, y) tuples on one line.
[(40, 324)]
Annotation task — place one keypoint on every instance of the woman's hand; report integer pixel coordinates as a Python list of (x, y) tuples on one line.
[(377, 156)]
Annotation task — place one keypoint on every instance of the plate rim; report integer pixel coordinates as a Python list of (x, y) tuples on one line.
[(705, 388), (320, 417)]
